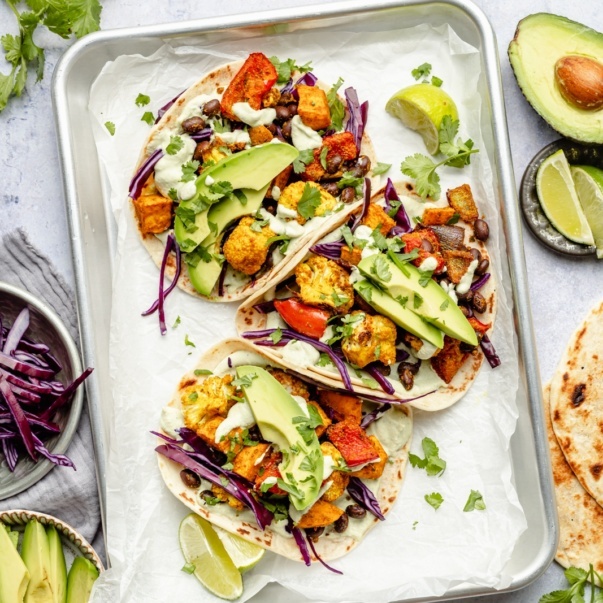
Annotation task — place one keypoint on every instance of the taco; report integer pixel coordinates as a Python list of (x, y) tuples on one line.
[(280, 460), (395, 302), (242, 169)]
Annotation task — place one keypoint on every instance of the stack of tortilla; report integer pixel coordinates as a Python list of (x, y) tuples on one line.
[(574, 401)]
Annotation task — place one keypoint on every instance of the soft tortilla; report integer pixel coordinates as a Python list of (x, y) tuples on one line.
[(249, 319), (577, 404), (580, 517), (216, 82), (328, 547)]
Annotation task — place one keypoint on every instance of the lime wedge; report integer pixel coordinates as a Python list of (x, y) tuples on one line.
[(559, 200), (421, 107), (206, 556), (244, 554), (589, 186)]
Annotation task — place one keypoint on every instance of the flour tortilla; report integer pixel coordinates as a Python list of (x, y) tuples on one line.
[(328, 547), (580, 517), (215, 83), (577, 403), (249, 319)]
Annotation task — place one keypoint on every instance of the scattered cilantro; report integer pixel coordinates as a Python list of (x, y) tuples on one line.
[(306, 425), (108, 124), (345, 329), (221, 188), (454, 219), (276, 335), (210, 500), (379, 240), (370, 382), (435, 499), (176, 322), (380, 269), (175, 145), (394, 206), (423, 168), (339, 300), (425, 277), (241, 196), (421, 71), (218, 125), (291, 489), (366, 290), (324, 360), (414, 525), (193, 396), (148, 118), (402, 300), (444, 304), (188, 568), (310, 462), (436, 81), (336, 106), (309, 202), (277, 238), (244, 381), (475, 502), (187, 216), (257, 225), (381, 168), (199, 372), (247, 441), (188, 342), (284, 69), (323, 157), (189, 171), (213, 227), (142, 100), (20, 51), (417, 301), (173, 194), (432, 463), (577, 579), (349, 179), (302, 160)]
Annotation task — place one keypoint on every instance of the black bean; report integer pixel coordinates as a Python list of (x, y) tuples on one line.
[(479, 302), (384, 369), (282, 113), (199, 149), (482, 267), (286, 129), (476, 254), (355, 511), (190, 478), (466, 311), (331, 188), (314, 533), (292, 110), (363, 164), (193, 125), (348, 194), (341, 524), (407, 379), (426, 246), (481, 229), (466, 297), (412, 366), (208, 495), (211, 107), (334, 163)]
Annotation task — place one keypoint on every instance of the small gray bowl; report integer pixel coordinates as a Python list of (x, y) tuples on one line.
[(45, 327)]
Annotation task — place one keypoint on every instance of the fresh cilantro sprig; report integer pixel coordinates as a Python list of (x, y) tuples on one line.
[(475, 502), (309, 202), (423, 71), (20, 51), (284, 69), (336, 106), (435, 499), (302, 160), (423, 169), (577, 579), (432, 463)]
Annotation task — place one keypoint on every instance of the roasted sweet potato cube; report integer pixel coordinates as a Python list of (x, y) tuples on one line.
[(353, 443), (268, 469), (376, 217), (313, 107), (351, 257), (320, 429), (259, 135), (339, 483), (207, 432), (320, 515), (457, 263), (224, 496), (437, 216), (461, 200), (343, 406), (373, 470), (447, 363), (154, 213), (245, 462)]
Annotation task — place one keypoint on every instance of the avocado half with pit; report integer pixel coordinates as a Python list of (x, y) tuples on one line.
[(541, 41)]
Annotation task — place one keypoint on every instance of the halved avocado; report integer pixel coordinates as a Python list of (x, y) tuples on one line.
[(540, 41)]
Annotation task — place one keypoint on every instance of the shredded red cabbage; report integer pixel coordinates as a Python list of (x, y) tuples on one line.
[(265, 307), (19, 418), (143, 173), (307, 79), (403, 224), (201, 135), (331, 251), (489, 352), (381, 379), (364, 497), (372, 416), (365, 204), (300, 541), (167, 105), (358, 116), (64, 397), (331, 569), (480, 282), (16, 332)]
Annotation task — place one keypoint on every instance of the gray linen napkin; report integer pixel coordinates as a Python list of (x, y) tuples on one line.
[(67, 494)]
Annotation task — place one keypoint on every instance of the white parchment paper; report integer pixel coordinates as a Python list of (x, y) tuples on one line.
[(417, 551)]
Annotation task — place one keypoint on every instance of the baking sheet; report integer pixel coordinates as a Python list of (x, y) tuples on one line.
[(142, 520)]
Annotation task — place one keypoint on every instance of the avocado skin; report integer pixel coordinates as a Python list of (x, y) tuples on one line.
[(540, 40), (14, 576), (58, 567), (80, 580), (35, 553), (275, 410)]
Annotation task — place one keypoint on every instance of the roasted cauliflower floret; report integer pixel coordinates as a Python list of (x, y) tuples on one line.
[(304, 192), (246, 249), (295, 386), (323, 282), (373, 338), (205, 400)]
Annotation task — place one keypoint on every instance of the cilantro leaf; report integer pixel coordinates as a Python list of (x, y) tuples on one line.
[(381, 168), (222, 188), (432, 463), (309, 202), (284, 69), (380, 269), (435, 499), (142, 100), (336, 106), (302, 160), (349, 179), (148, 118), (436, 81), (276, 335), (110, 127), (323, 157), (475, 502), (189, 171), (423, 170), (421, 71), (188, 342), (176, 143), (199, 372)]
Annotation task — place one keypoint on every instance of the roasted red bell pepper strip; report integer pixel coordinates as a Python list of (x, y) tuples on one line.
[(353, 443), (479, 327), (250, 84), (307, 320)]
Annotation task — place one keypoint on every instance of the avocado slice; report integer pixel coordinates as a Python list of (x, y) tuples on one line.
[(281, 420), (58, 567), (399, 314), (426, 299), (205, 274), (540, 41), (252, 169), (80, 580), (14, 576), (36, 556)]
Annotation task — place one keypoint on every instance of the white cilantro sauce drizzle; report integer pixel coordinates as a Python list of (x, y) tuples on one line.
[(253, 117), (239, 415), (300, 354), (303, 137), (467, 278)]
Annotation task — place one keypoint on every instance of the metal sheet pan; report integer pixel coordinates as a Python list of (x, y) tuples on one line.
[(93, 230)]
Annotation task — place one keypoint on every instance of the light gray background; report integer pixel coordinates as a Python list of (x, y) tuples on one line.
[(562, 289)]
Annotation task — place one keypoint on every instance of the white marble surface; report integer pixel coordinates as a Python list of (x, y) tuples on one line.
[(562, 290)]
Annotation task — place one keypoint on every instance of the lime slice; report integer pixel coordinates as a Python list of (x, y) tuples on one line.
[(422, 107), (559, 200), (589, 186), (244, 554), (208, 559)]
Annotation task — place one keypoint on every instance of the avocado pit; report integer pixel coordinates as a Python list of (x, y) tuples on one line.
[(580, 80)]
